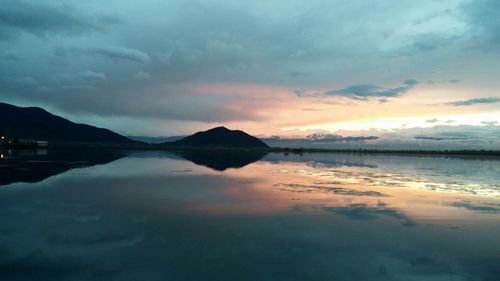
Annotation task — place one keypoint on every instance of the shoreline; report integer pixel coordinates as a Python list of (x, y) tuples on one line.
[(285, 150)]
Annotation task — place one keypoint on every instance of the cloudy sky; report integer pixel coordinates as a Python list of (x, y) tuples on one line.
[(277, 67)]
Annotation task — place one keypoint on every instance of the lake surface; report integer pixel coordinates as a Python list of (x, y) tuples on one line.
[(113, 215)]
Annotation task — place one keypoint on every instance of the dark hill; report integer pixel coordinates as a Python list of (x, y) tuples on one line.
[(36, 123), (220, 137)]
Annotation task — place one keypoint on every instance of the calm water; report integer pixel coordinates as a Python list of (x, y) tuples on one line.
[(107, 215)]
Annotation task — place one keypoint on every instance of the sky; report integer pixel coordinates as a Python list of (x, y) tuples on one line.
[(277, 67)]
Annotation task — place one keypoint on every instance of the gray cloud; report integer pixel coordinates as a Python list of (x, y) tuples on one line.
[(482, 16), (477, 207), (142, 76), (297, 74), (23, 81), (364, 91), (327, 188), (300, 93), (411, 82), (28, 81), (83, 98), (430, 42), (114, 52), (284, 44), (42, 18), (91, 76), (80, 78), (474, 101), (10, 55), (365, 212), (490, 123), (440, 139)]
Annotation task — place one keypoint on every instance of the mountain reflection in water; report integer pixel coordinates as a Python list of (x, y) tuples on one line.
[(221, 160), (37, 165), (156, 216)]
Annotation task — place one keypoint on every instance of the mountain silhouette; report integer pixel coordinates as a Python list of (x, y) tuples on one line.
[(36, 123), (220, 137)]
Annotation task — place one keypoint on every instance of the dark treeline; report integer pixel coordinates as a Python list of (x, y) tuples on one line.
[(463, 152), (285, 150)]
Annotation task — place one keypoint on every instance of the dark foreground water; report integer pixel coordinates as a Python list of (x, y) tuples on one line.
[(107, 215)]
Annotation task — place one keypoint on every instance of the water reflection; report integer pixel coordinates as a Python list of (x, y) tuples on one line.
[(36, 165), (221, 160), (156, 216), (361, 211)]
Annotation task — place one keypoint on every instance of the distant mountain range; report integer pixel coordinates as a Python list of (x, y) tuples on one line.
[(337, 138), (38, 124), (220, 137), (319, 140)]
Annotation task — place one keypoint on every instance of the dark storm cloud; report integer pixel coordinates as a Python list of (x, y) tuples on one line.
[(474, 101), (114, 52), (41, 18)]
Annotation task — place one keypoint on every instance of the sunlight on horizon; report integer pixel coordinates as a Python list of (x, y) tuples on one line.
[(475, 119)]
